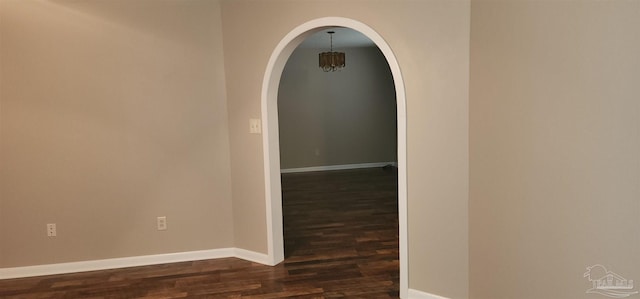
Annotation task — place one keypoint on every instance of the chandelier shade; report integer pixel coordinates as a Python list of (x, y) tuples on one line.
[(331, 61)]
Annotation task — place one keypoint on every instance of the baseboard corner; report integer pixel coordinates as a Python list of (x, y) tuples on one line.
[(415, 294), (252, 256)]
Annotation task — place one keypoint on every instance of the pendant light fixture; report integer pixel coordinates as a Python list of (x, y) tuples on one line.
[(331, 61)]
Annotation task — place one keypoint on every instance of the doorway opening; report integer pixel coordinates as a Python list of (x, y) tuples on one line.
[(271, 146)]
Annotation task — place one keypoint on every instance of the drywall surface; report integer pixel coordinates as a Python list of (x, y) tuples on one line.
[(431, 42), (112, 113), (555, 146), (336, 118)]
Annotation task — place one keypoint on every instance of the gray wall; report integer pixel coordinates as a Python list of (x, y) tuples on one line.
[(555, 146), (335, 118), (113, 113)]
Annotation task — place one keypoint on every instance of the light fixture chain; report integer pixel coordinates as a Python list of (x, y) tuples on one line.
[(331, 38)]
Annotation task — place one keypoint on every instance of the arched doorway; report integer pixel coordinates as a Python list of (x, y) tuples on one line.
[(271, 147)]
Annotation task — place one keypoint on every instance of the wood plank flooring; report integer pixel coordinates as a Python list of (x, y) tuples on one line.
[(341, 240)]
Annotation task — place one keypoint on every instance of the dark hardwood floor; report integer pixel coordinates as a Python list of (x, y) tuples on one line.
[(341, 240)]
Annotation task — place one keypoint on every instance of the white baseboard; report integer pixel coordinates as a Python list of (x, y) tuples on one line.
[(415, 294), (252, 256), (146, 260), (337, 167)]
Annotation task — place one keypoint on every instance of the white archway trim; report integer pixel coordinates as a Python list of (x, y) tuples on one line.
[(271, 143)]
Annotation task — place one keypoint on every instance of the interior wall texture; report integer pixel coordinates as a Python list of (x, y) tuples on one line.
[(112, 113), (431, 42), (337, 118), (555, 146)]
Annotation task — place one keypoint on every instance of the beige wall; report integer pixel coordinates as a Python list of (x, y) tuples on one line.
[(112, 113), (336, 118), (555, 146), (431, 42)]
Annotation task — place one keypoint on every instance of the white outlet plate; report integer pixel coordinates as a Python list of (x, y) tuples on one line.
[(254, 126), (162, 223), (52, 230)]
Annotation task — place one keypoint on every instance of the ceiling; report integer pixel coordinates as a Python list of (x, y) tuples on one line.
[(343, 38)]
